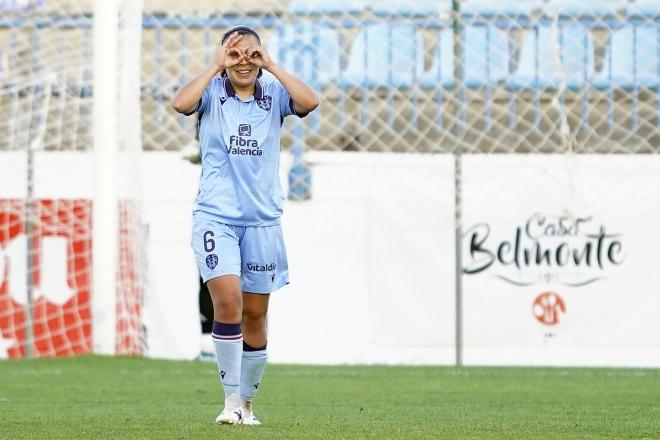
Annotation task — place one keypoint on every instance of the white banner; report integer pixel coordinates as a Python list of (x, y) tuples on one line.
[(561, 260)]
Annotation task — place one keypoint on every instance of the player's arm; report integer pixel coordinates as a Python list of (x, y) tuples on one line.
[(303, 97), (186, 98)]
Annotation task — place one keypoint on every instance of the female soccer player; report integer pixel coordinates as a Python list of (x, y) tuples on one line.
[(236, 220)]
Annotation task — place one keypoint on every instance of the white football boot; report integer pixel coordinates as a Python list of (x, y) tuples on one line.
[(231, 414), (247, 416)]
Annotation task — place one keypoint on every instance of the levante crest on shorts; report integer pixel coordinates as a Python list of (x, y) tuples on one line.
[(265, 103), (212, 261)]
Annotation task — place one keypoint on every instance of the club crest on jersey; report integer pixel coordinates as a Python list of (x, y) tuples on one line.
[(265, 103), (212, 261)]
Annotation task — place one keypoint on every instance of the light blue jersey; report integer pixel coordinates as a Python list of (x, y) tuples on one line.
[(240, 149)]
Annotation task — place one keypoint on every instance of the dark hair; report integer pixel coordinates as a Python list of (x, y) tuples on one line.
[(242, 30)]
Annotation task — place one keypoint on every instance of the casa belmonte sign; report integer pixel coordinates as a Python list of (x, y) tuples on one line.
[(573, 251)]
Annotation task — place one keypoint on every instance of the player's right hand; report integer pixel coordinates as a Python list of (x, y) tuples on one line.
[(229, 55)]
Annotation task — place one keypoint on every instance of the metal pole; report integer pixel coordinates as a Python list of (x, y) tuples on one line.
[(42, 91), (39, 111), (29, 232), (458, 175), (458, 182)]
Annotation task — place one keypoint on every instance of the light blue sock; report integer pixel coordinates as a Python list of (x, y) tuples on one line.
[(252, 369), (228, 347)]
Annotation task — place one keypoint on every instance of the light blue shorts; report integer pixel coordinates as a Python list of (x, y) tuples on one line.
[(255, 253)]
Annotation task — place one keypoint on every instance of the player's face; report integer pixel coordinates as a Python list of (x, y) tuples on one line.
[(244, 74)]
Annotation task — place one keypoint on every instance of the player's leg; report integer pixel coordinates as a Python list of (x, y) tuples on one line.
[(218, 256), (228, 341), (255, 355), (227, 333), (264, 270)]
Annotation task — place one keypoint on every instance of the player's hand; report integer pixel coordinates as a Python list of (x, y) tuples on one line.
[(228, 54), (258, 56)]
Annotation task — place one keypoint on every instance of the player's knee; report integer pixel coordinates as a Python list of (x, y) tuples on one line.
[(226, 297), (254, 319), (226, 308), (227, 303)]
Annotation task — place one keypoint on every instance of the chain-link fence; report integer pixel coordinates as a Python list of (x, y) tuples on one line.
[(506, 76)]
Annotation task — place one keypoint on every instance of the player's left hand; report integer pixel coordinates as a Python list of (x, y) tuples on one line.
[(259, 57)]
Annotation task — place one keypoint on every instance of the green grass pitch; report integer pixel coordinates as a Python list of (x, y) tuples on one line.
[(134, 398)]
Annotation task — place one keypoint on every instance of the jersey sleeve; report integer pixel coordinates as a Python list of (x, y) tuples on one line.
[(204, 100), (286, 103)]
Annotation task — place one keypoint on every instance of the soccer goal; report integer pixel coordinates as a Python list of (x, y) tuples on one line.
[(71, 238)]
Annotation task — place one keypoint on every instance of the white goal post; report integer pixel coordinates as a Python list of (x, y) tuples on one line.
[(116, 132), (105, 213)]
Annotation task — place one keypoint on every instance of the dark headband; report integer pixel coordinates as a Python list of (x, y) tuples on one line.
[(242, 30)]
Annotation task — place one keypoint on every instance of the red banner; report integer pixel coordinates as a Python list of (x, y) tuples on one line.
[(61, 261)]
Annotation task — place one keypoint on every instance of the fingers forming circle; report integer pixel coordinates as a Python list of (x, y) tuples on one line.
[(232, 40)]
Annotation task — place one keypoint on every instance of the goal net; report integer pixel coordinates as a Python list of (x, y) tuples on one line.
[(71, 277)]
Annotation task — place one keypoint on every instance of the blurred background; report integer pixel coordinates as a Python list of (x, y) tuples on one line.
[(478, 186)]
